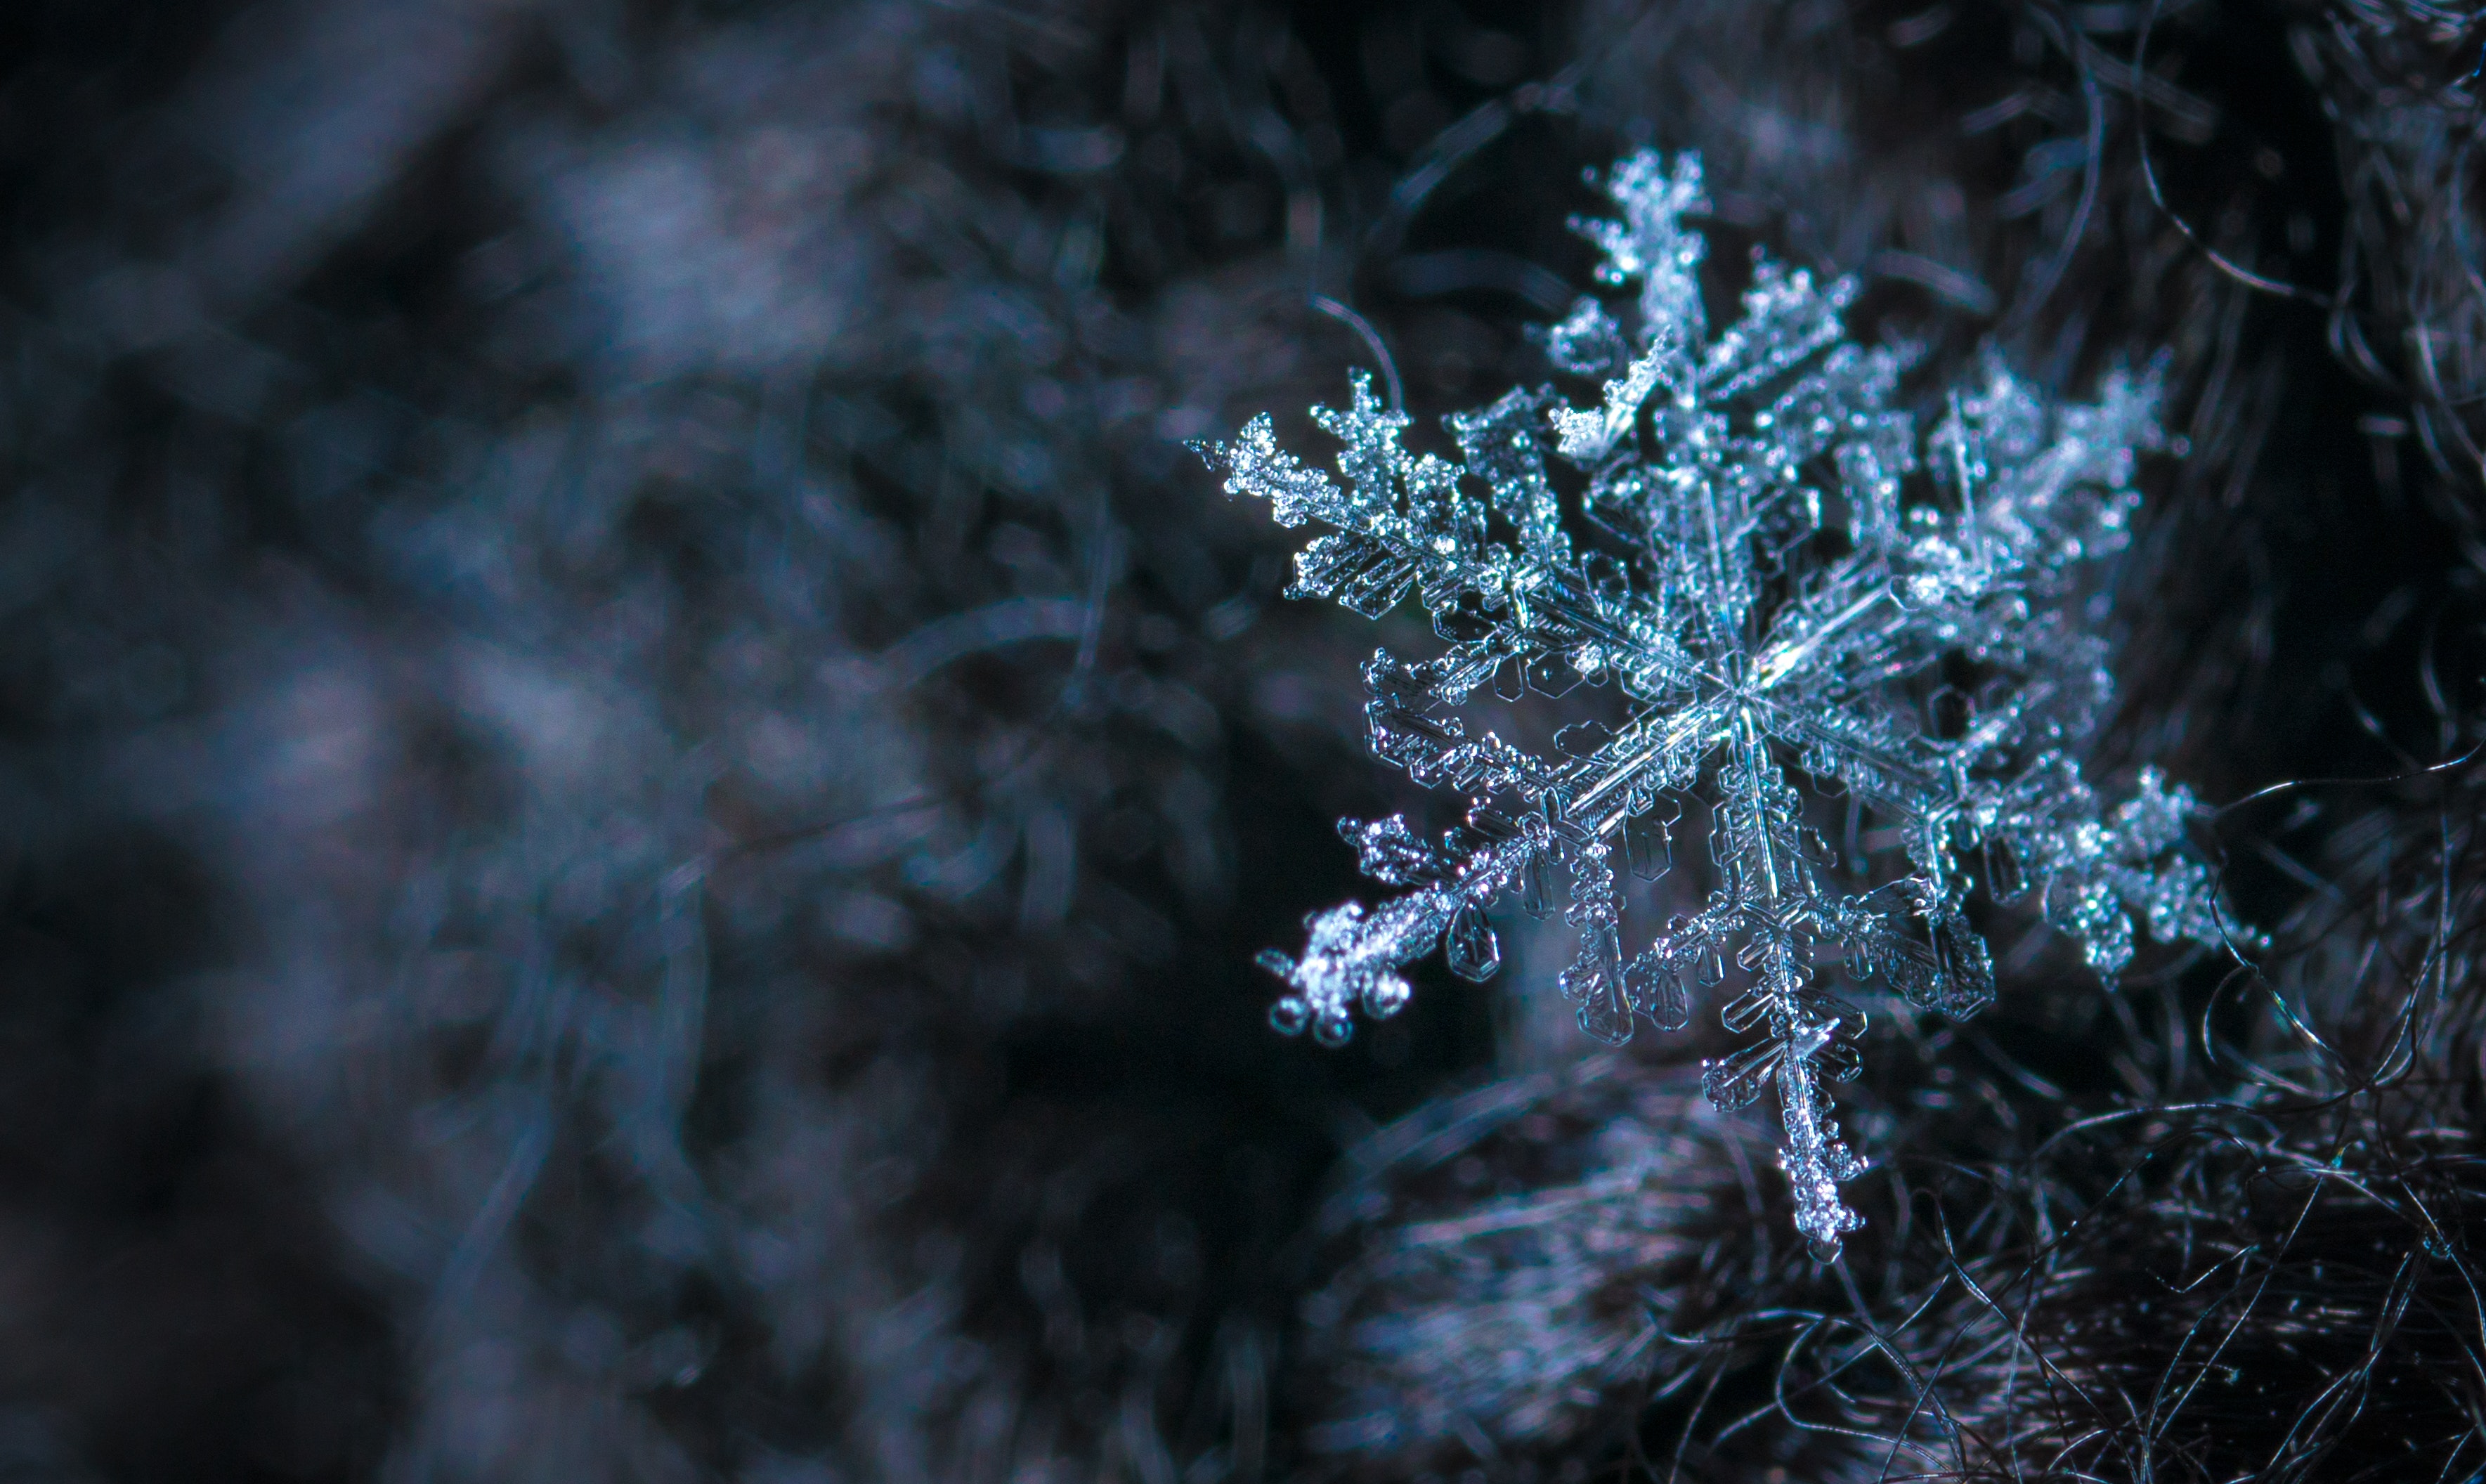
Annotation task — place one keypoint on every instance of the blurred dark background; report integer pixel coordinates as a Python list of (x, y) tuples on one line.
[(638, 777)]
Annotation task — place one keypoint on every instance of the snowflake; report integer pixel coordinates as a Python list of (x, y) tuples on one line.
[(1776, 578)]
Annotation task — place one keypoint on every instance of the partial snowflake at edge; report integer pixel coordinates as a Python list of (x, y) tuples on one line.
[(1779, 574)]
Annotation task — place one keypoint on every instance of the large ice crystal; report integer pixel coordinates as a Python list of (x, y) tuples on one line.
[(1791, 598)]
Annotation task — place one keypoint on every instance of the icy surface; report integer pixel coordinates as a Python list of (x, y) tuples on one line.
[(1804, 611)]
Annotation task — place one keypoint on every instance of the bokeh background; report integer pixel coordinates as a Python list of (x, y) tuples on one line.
[(638, 777)]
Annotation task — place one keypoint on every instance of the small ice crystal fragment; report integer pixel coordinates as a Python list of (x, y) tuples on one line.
[(1389, 851), (1474, 951), (1588, 343), (1536, 885), (1743, 664), (1604, 1014), (1737, 1079), (1648, 849), (1657, 990)]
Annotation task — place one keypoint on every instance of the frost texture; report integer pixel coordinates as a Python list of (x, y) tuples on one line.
[(1778, 576)]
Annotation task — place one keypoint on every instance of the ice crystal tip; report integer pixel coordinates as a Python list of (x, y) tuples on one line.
[(1778, 583)]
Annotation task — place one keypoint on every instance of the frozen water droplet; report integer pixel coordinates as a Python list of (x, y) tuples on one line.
[(1333, 1029), (1289, 1016), (1475, 952)]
